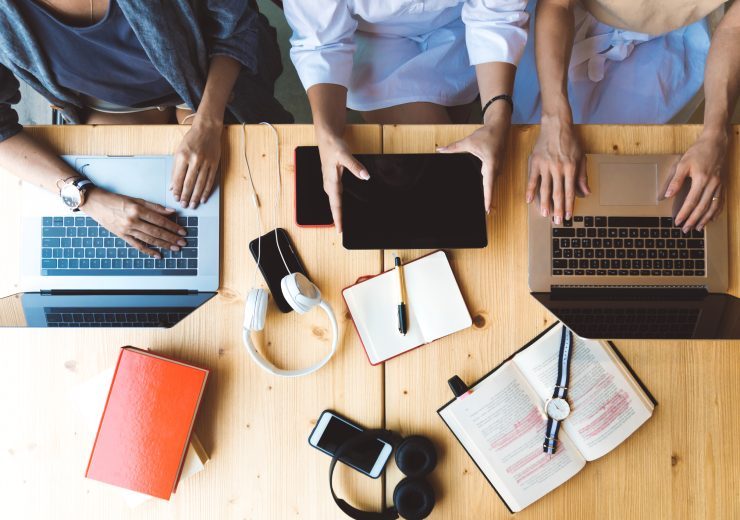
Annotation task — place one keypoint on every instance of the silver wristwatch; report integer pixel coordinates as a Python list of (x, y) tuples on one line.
[(74, 191)]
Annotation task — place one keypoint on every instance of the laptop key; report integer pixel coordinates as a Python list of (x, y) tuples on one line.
[(666, 222), (48, 263), (53, 232), (84, 263), (696, 253), (557, 272), (94, 263), (600, 272), (46, 252)]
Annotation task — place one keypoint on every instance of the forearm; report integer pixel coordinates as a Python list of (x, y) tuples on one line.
[(722, 74), (495, 78), (554, 30), (329, 109), (26, 158), (222, 75)]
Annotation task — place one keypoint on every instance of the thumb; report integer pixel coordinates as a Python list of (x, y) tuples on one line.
[(358, 170), (455, 147)]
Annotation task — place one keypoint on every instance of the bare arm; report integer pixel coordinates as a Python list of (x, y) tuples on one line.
[(703, 163), (197, 158), (328, 107), (137, 221), (556, 166), (488, 142)]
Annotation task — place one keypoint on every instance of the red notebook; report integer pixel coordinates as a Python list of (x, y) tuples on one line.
[(146, 425)]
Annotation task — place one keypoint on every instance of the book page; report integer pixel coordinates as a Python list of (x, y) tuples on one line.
[(607, 405), (434, 297), (502, 428), (434, 304), (374, 308)]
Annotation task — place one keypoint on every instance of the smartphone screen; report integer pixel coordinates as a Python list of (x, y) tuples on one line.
[(311, 202), (364, 457), (271, 263)]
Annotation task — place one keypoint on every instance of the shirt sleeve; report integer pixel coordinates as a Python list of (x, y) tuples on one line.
[(10, 94), (323, 43), (495, 30), (230, 29)]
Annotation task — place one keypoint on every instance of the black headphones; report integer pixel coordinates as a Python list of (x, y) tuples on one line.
[(413, 497)]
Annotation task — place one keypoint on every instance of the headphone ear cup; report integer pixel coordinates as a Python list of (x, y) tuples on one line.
[(255, 310), (300, 292), (414, 498), (416, 456)]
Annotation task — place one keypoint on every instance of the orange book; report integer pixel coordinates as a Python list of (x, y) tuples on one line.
[(147, 422)]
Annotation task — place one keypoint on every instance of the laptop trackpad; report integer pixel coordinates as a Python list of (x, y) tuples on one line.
[(625, 184), (141, 177)]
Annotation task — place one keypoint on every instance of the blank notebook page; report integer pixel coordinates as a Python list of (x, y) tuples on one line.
[(434, 302)]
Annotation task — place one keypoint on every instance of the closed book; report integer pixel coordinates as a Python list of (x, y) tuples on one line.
[(147, 423)]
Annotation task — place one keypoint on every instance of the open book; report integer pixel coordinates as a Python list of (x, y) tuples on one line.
[(435, 307), (500, 421)]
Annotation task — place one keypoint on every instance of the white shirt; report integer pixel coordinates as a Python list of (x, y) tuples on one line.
[(323, 42)]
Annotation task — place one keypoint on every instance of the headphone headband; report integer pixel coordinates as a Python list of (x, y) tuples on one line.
[(388, 436)]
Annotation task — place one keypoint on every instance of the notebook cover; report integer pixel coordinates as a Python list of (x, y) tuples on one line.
[(147, 423), (363, 279), (529, 343)]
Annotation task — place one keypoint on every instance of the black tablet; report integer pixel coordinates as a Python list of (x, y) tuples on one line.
[(415, 201)]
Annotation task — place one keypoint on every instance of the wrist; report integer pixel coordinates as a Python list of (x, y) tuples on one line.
[(497, 115), (716, 133), (207, 121)]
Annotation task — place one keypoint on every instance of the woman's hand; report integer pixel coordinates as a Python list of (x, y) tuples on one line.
[(335, 157), (488, 144), (702, 163), (557, 165), (138, 222), (196, 163)]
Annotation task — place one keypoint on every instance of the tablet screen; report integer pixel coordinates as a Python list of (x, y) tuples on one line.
[(414, 201)]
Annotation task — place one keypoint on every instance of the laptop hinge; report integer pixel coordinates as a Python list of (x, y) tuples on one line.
[(628, 293), (68, 292)]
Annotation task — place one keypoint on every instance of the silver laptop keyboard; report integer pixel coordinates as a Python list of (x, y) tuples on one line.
[(79, 246), (626, 246)]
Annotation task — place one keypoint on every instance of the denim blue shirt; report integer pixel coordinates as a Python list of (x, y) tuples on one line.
[(179, 36)]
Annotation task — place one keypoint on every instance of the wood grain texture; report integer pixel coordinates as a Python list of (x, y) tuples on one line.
[(683, 464), (254, 426)]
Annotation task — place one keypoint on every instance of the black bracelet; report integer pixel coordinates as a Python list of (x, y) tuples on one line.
[(504, 97)]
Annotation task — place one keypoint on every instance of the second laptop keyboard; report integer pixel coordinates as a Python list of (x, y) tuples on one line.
[(79, 246), (626, 246)]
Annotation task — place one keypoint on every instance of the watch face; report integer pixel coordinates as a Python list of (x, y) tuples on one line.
[(557, 409), (71, 196)]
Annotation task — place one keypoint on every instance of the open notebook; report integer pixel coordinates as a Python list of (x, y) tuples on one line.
[(500, 421), (435, 307)]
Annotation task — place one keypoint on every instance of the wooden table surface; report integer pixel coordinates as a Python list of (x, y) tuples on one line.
[(683, 464)]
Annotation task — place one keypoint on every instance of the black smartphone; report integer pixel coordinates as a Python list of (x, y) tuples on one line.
[(312, 207), (332, 430), (271, 262)]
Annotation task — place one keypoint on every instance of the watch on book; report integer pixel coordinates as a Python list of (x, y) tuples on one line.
[(557, 407)]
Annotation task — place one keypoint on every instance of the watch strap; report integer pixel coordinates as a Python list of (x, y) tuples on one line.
[(564, 355), (551, 436), (82, 183)]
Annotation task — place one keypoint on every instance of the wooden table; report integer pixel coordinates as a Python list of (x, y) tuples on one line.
[(682, 464)]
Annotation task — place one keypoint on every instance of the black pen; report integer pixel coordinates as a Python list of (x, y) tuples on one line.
[(402, 319)]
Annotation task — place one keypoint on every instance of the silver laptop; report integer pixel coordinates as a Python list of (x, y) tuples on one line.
[(62, 250), (620, 268)]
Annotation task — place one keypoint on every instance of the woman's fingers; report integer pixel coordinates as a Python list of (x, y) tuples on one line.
[(209, 185), (703, 205), (692, 199), (679, 176), (557, 195), (569, 171), (582, 182), (488, 173), (333, 188), (347, 160), (200, 184), (715, 206), (141, 246), (194, 168), (164, 238), (178, 175), (156, 218), (545, 193)]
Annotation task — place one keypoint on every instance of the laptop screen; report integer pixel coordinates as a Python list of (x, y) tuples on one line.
[(705, 316), (98, 310)]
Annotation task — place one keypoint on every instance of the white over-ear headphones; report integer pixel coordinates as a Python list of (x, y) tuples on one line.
[(299, 291)]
